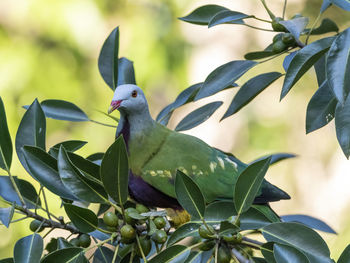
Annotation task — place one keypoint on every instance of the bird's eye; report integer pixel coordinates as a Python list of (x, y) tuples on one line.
[(134, 94)]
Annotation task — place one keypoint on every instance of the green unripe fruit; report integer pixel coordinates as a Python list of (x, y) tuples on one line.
[(207, 233), (234, 220), (277, 37), (207, 245), (110, 219), (84, 240), (159, 222), (297, 15), (75, 242), (34, 225), (128, 219), (277, 26), (160, 236), (141, 208), (288, 39), (146, 246), (279, 47), (233, 239), (126, 240), (224, 255), (128, 232)]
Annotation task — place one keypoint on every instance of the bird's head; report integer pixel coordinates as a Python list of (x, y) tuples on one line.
[(128, 98)]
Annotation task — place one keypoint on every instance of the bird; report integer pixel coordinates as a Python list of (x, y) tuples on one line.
[(156, 153)]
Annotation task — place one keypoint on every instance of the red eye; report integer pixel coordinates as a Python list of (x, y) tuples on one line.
[(134, 94)]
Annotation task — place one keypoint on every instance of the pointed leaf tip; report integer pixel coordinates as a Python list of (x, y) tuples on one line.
[(5, 140)]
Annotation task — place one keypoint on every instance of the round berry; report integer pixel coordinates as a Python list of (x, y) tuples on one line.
[(128, 232), (159, 222), (34, 225), (75, 242), (277, 37), (160, 236), (233, 239), (207, 245), (207, 233), (288, 39), (141, 208), (84, 240), (128, 219), (277, 26), (279, 47), (110, 219)]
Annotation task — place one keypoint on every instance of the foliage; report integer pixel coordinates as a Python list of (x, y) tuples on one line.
[(218, 231)]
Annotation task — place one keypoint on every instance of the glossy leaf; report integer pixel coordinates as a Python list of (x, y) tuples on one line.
[(227, 17), (108, 59), (115, 171), (184, 97), (202, 15), (104, 255), (303, 60), (327, 25), (249, 183), (267, 252), (5, 140), (89, 169), (63, 110), (325, 5), (6, 214), (7, 260), (43, 168), (174, 254), (84, 219), (62, 243), (301, 237), (70, 146), (31, 130), (276, 157), (76, 182), (321, 108), (194, 257), (345, 256), (295, 26), (338, 66), (320, 70), (250, 90), (96, 158), (198, 116), (185, 230), (27, 190), (342, 126), (189, 195), (258, 260), (29, 249), (65, 255), (288, 254), (309, 221), (126, 73), (258, 55), (223, 77), (343, 4), (253, 219), (288, 59), (219, 211)]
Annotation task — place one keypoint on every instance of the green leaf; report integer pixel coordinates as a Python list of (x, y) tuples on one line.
[(276, 157), (290, 254), (325, 5), (342, 126), (196, 257), (31, 130), (108, 59), (338, 66), (219, 211), (253, 219), (198, 116), (126, 73), (65, 255), (343, 4), (89, 169), (189, 195), (63, 110), (5, 140), (345, 256), (258, 55), (295, 26), (70, 146), (259, 260), (6, 260), (327, 25), (321, 108), (6, 214), (115, 171), (29, 249), (227, 17), (43, 168), (249, 183), (84, 219), (184, 97), (27, 190), (96, 158), (288, 59), (309, 221), (267, 252), (299, 237), (303, 60), (185, 230), (62, 243), (224, 77), (77, 183), (202, 15), (174, 254), (103, 255), (250, 90)]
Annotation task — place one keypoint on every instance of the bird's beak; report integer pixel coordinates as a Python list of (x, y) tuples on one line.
[(115, 104)]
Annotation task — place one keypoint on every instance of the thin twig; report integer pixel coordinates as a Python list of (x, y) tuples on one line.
[(46, 205), (284, 9), (259, 28), (104, 124), (116, 253), (312, 27)]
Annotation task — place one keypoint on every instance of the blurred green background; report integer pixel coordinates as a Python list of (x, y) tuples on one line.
[(49, 49)]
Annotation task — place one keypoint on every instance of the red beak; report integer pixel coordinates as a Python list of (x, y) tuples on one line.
[(115, 104)]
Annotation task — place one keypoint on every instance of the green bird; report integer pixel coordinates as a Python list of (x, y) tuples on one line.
[(156, 153)]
